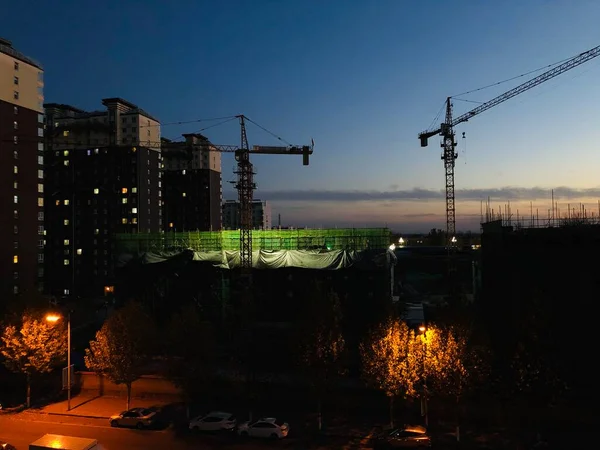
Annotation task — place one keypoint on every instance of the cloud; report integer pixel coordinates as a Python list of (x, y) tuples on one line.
[(417, 194)]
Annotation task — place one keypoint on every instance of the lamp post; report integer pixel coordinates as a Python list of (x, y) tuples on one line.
[(53, 318), (424, 409)]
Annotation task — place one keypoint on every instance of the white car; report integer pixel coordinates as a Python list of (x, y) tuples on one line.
[(268, 427), (213, 421)]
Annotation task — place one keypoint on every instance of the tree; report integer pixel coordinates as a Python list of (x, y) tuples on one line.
[(33, 346), (392, 360), (120, 350), (322, 343), (190, 350)]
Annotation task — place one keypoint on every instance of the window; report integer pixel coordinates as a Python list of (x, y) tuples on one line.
[(40, 160), (16, 199), (15, 290), (41, 202), (16, 95), (40, 146), (16, 65), (15, 169), (123, 200), (66, 222), (41, 243), (41, 231), (124, 220), (184, 194), (40, 215), (15, 139), (15, 275), (16, 229), (96, 191), (40, 118), (66, 162), (16, 259), (66, 242), (16, 125), (66, 262), (16, 81), (40, 174), (134, 220), (16, 214), (40, 132), (79, 251), (66, 133), (40, 257), (133, 210), (40, 188), (15, 185), (124, 190), (15, 154), (16, 110), (134, 190), (66, 202), (66, 153)]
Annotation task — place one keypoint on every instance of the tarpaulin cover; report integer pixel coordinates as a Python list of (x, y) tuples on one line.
[(266, 259)]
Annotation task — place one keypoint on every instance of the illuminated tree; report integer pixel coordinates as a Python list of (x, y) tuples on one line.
[(33, 346), (120, 348), (322, 343), (392, 360)]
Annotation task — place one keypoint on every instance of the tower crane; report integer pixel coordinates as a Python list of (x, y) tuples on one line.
[(245, 180), (446, 129)]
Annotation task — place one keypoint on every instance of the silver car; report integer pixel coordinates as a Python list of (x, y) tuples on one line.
[(136, 417)]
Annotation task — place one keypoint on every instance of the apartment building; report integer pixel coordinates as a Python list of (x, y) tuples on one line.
[(261, 215), (102, 177), (21, 175), (192, 185)]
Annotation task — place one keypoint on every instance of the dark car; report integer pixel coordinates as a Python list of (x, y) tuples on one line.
[(406, 437), (6, 446)]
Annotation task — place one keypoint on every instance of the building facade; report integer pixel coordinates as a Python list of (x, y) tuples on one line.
[(21, 175), (261, 215), (102, 177), (192, 185)]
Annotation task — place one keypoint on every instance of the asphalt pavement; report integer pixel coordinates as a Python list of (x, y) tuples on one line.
[(22, 429)]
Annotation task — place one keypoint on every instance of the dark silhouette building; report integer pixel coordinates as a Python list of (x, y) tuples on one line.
[(103, 177), (192, 185), (21, 174)]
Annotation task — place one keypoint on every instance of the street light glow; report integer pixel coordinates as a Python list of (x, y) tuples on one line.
[(422, 328), (52, 318)]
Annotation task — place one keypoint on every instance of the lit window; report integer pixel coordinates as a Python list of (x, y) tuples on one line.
[(40, 159), (66, 153), (183, 172), (57, 202), (133, 210), (66, 262), (16, 110), (67, 202), (134, 190), (123, 200), (16, 125), (123, 220), (96, 151), (15, 185), (134, 220), (66, 242), (96, 191), (66, 162), (184, 195), (40, 132), (15, 169), (40, 201), (16, 199), (171, 225), (15, 290), (97, 231), (40, 187), (16, 259), (79, 251), (40, 174), (124, 190), (41, 215), (89, 152), (66, 133), (66, 222)]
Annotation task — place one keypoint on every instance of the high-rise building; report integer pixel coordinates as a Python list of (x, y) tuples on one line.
[(261, 215), (192, 185), (102, 177), (21, 174)]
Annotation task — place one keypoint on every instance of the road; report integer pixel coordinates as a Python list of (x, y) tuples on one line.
[(22, 429)]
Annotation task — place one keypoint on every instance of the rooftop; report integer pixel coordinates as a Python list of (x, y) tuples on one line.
[(7, 48), (77, 113)]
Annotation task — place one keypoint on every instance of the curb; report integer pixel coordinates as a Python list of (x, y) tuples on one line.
[(46, 413)]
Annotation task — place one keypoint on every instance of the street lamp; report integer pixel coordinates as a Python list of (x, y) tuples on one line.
[(424, 409), (53, 318)]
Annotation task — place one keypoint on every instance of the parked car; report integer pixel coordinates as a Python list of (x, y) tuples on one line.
[(213, 421), (136, 417), (268, 427), (406, 437), (6, 446)]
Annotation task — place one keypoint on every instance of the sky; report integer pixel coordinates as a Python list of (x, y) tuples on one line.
[(362, 78)]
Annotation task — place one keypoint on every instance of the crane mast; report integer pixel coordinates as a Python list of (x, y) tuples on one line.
[(245, 186), (446, 129)]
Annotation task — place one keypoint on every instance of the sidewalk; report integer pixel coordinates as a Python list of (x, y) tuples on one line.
[(95, 407)]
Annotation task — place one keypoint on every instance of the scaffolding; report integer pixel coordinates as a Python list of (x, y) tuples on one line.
[(356, 239)]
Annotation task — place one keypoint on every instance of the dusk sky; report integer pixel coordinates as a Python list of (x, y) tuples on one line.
[(362, 78)]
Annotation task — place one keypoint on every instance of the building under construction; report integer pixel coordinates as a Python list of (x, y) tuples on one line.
[(539, 285)]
